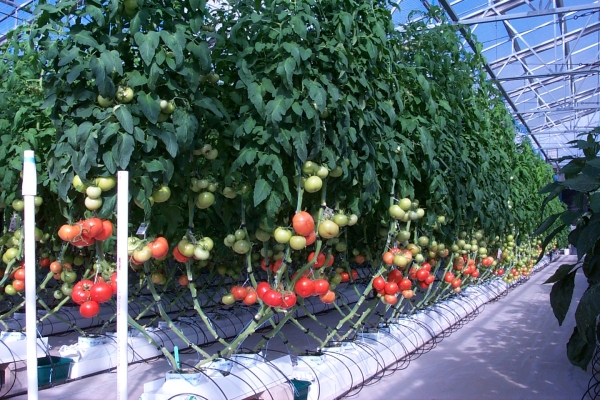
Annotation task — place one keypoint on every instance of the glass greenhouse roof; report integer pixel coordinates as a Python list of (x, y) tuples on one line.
[(544, 55)]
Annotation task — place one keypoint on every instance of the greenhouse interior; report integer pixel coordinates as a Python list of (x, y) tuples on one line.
[(299, 199)]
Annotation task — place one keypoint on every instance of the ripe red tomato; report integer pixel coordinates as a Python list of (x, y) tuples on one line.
[(272, 298), (390, 299), (250, 298), (388, 257), (19, 274), (327, 297), (320, 259), (107, 230), (391, 288), (56, 267), (393, 275), (423, 285), (113, 282), (303, 223), (81, 291), (378, 283), (311, 238), (330, 259), (18, 285), (261, 288), (304, 287), (178, 256), (430, 279), (487, 261), (405, 284), (321, 286), (475, 274), (69, 232), (354, 274), (456, 283), (159, 247), (288, 300), (101, 292), (45, 262), (239, 292), (345, 276), (449, 277), (83, 241), (422, 274), (183, 280), (89, 309), (426, 266), (276, 265), (91, 227)]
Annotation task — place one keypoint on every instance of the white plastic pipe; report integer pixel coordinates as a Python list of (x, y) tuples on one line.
[(29, 191), (122, 283)]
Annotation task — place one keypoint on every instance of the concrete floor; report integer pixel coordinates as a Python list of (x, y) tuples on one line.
[(513, 350)]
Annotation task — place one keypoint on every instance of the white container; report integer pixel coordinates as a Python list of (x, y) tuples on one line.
[(192, 377)]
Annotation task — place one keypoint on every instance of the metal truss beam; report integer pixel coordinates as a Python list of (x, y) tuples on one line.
[(529, 14), (558, 122), (9, 3), (450, 11), (498, 7), (561, 109), (547, 45), (550, 75)]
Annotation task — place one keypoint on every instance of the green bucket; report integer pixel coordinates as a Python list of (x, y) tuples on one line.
[(300, 389), (52, 370)]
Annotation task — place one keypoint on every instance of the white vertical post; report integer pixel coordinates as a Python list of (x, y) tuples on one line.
[(29, 191), (122, 283)]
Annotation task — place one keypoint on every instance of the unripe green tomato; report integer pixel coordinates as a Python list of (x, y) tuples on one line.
[(205, 200), (297, 242), (262, 236), (241, 246), (405, 204), (310, 168), (313, 184), (282, 235), (336, 172), (18, 205), (322, 172)]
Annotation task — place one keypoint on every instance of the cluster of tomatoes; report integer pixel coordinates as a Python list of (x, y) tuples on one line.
[(187, 249), (141, 251), (18, 281), (306, 287), (469, 270), (395, 284), (86, 232), (89, 295), (245, 294)]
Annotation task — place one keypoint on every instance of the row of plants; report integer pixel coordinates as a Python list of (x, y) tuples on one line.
[(277, 150)]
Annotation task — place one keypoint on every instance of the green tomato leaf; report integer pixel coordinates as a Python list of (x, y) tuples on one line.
[(124, 117), (560, 296), (255, 96), (560, 273), (147, 44), (580, 351), (150, 105), (122, 150), (276, 108), (168, 138), (582, 183), (154, 166), (262, 189)]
